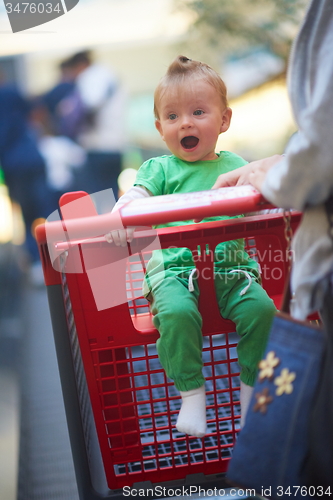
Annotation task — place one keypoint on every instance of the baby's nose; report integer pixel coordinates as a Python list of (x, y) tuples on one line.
[(186, 122)]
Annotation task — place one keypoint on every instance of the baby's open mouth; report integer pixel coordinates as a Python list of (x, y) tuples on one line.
[(189, 142)]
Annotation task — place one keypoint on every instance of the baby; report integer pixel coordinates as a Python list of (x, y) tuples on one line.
[(191, 111)]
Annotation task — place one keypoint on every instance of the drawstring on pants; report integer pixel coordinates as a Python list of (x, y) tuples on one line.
[(248, 276), (190, 280), (245, 289)]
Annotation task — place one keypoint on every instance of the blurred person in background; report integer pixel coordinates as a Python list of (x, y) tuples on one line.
[(61, 90), (63, 159), (94, 115), (62, 156), (22, 163)]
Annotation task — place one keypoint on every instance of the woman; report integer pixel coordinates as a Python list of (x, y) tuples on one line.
[(303, 179)]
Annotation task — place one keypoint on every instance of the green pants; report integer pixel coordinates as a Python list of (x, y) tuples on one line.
[(179, 323)]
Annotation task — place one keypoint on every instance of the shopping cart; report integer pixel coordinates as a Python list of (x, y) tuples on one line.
[(121, 409)]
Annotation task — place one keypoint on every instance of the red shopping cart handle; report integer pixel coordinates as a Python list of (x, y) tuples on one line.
[(157, 210), (198, 205)]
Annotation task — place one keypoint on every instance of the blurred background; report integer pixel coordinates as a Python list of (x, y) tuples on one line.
[(76, 97)]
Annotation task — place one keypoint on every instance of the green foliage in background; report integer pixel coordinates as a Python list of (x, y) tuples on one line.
[(238, 26)]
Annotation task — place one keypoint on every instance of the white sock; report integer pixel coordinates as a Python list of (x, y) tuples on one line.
[(192, 416), (245, 397)]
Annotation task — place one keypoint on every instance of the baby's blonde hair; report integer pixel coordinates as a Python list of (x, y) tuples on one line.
[(182, 69)]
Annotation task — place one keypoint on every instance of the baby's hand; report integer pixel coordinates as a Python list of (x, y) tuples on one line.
[(120, 237)]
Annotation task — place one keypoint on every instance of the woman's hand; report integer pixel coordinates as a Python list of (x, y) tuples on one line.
[(257, 177), (253, 173), (236, 177)]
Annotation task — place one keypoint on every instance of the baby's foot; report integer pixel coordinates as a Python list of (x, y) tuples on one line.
[(192, 416)]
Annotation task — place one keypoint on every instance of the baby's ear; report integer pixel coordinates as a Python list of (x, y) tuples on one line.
[(159, 128), (226, 120)]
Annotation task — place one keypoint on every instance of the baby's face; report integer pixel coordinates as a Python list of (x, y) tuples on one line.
[(191, 119)]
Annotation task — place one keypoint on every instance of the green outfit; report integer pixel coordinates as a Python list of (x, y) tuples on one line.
[(169, 273)]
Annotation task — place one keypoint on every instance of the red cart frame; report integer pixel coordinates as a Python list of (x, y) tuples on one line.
[(120, 407)]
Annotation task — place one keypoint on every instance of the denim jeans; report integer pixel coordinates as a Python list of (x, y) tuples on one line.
[(271, 448)]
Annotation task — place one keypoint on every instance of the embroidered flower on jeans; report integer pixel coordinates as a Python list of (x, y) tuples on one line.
[(284, 382), (263, 399), (267, 366)]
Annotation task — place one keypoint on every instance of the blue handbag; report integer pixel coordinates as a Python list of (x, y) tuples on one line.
[(271, 449), (318, 469)]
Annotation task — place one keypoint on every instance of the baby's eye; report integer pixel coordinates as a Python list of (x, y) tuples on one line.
[(172, 116), (198, 112)]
